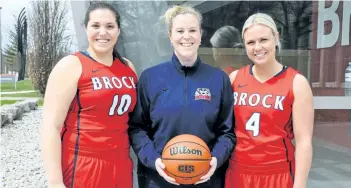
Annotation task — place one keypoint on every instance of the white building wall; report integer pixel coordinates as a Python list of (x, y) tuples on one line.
[(78, 11)]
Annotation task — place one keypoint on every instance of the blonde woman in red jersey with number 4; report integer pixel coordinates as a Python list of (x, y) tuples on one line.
[(88, 96), (273, 105)]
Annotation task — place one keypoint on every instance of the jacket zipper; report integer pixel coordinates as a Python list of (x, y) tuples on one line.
[(185, 86)]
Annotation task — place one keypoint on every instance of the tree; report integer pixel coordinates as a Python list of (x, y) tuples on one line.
[(297, 23), (293, 18), (50, 41), (21, 43), (11, 49), (10, 52), (141, 26)]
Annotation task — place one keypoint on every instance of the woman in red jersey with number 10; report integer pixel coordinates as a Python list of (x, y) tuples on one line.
[(88, 97), (273, 104)]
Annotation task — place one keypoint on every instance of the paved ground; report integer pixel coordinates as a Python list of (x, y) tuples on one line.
[(16, 92), (331, 166), (18, 98)]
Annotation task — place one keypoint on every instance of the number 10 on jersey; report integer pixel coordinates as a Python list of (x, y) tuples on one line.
[(253, 124), (122, 104)]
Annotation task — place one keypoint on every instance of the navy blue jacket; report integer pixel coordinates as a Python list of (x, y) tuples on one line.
[(174, 100)]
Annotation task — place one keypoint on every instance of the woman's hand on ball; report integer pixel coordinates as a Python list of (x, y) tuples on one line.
[(160, 169), (207, 177)]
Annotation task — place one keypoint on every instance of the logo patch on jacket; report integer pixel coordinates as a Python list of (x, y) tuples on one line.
[(203, 94)]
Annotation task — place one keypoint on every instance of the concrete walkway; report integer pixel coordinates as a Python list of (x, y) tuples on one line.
[(18, 98), (16, 92), (331, 165)]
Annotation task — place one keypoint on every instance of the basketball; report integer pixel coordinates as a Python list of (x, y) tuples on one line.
[(187, 158)]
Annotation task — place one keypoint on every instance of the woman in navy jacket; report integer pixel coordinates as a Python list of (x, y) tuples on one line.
[(182, 96)]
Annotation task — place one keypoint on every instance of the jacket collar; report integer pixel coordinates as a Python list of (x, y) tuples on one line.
[(183, 69)]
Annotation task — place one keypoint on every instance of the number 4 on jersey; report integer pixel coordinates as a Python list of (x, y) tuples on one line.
[(123, 104), (253, 124)]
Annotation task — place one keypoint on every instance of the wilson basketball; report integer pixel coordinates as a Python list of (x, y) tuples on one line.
[(187, 158)]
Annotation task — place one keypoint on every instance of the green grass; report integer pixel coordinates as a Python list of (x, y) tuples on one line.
[(41, 102), (3, 102), (32, 94), (22, 85)]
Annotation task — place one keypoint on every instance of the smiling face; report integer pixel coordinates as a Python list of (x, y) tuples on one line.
[(185, 36), (102, 30), (260, 44)]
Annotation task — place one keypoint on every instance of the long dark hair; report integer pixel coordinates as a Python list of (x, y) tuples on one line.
[(103, 5)]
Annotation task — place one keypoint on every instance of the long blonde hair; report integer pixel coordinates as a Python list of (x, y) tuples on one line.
[(264, 19)]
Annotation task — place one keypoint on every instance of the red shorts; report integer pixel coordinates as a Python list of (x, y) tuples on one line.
[(269, 176), (92, 169)]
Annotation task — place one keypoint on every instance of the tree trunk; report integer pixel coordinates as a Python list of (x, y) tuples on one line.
[(287, 24)]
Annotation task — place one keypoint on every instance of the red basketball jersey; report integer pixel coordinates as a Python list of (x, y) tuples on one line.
[(97, 119), (263, 118)]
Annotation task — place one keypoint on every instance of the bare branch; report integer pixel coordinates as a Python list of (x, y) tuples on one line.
[(50, 42)]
